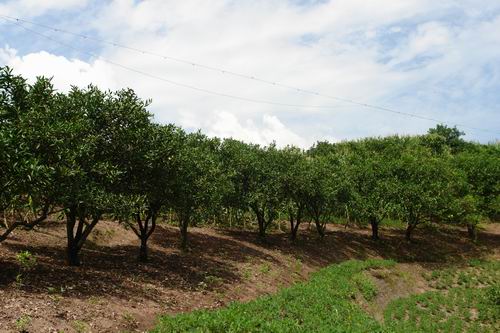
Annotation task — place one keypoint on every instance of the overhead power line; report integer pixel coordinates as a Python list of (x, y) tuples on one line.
[(18, 21), (179, 84)]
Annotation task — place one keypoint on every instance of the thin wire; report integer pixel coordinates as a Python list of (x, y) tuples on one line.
[(223, 71), (207, 91)]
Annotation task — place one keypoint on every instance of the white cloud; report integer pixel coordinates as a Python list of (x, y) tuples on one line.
[(29, 8), (64, 72), (271, 129), (339, 47)]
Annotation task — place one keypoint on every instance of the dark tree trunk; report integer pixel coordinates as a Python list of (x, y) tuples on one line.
[(472, 231), (295, 221), (77, 239), (409, 231), (261, 222), (143, 252), (73, 258), (262, 228), (374, 223), (144, 231), (320, 227), (183, 226), (72, 249), (293, 230)]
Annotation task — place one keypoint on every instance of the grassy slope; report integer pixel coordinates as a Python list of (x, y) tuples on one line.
[(466, 300), (325, 304)]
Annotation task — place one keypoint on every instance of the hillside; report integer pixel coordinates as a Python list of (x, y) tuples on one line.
[(111, 292)]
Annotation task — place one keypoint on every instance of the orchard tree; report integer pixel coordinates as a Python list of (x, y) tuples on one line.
[(254, 177), (294, 182), (265, 195), (371, 184), (25, 180), (327, 189), (149, 167), (236, 160), (422, 186), (479, 195), (198, 181), (443, 138), (87, 134)]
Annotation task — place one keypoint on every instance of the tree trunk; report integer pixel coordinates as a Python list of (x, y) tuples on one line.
[(72, 248), (293, 229), (295, 223), (262, 224), (143, 231), (472, 231), (320, 228), (73, 259), (183, 226), (143, 252), (27, 225), (78, 238), (409, 230), (374, 223), (262, 229)]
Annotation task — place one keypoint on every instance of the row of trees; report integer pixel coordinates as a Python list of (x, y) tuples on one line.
[(90, 155)]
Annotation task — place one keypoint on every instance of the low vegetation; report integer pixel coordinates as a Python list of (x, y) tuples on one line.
[(323, 304), (329, 303), (467, 301)]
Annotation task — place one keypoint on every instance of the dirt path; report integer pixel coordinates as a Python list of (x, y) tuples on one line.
[(111, 292)]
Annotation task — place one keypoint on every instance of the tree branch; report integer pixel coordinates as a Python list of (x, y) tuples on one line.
[(26, 224)]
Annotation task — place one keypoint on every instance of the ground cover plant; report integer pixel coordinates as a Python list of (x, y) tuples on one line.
[(323, 304), (467, 301)]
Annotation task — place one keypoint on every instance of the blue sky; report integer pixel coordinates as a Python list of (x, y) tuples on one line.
[(438, 60)]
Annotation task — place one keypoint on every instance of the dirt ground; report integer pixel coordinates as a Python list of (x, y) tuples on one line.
[(112, 292)]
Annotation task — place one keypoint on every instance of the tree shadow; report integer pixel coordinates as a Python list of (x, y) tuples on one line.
[(432, 245), (114, 269)]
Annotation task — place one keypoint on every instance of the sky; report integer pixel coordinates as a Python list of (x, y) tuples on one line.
[(434, 59)]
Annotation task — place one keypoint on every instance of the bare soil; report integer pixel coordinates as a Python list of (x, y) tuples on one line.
[(112, 292)]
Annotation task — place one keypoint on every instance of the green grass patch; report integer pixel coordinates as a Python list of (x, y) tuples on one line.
[(466, 300), (477, 274), (323, 304), (458, 310)]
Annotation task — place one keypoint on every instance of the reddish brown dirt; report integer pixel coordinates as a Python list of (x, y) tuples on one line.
[(111, 292)]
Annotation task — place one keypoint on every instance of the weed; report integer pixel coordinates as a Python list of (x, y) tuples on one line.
[(22, 323), (129, 319), (213, 280), (265, 268), (26, 262), (79, 326)]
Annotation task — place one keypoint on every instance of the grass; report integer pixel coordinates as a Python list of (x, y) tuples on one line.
[(464, 300), (324, 304), (467, 300)]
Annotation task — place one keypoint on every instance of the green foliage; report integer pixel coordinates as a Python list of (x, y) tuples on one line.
[(90, 153), (324, 304), (26, 260)]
